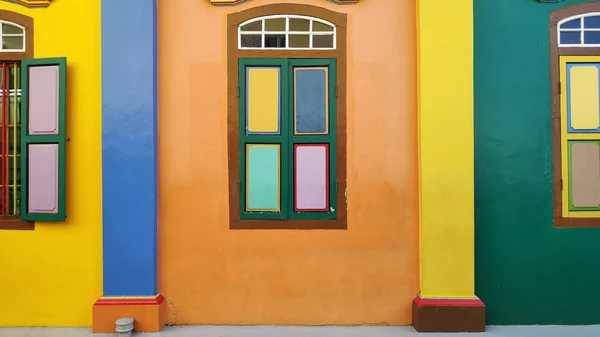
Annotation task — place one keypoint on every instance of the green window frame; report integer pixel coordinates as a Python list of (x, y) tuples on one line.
[(287, 139), (59, 139)]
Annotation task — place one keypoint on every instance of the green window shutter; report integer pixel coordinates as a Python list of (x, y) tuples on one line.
[(43, 139), (312, 139), (263, 138), (287, 127)]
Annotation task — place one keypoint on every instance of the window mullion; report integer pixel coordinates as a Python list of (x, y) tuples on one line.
[(287, 156)]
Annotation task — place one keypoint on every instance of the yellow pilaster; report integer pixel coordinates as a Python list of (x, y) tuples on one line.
[(445, 86)]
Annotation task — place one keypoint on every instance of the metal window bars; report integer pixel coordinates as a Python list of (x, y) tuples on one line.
[(10, 133)]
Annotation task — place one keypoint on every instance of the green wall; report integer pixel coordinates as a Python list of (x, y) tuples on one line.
[(527, 272)]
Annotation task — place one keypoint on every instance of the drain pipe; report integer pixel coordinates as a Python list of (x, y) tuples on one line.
[(124, 327)]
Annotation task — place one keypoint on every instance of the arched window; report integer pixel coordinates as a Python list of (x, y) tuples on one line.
[(286, 32), (13, 37), (32, 126), (580, 30), (287, 117), (575, 76), (16, 34)]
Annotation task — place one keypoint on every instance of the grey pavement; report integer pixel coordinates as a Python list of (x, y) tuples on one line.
[(293, 331)]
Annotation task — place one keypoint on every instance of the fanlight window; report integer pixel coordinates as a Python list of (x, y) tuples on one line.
[(13, 37), (286, 32), (580, 31)]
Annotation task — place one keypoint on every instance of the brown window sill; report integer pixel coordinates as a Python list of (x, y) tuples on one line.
[(289, 224), (14, 222), (577, 222)]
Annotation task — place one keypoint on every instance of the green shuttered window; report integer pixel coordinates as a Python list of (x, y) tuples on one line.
[(43, 139), (287, 139)]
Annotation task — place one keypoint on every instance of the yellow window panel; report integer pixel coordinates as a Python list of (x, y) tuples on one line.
[(585, 114)]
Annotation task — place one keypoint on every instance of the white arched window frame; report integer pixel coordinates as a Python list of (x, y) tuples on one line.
[(12, 35), (581, 30), (318, 31), (13, 38)]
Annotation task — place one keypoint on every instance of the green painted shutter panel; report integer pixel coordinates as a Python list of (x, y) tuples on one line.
[(287, 128), (43, 139), (263, 138), (312, 144)]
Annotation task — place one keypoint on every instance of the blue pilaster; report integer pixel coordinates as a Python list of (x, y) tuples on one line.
[(129, 147)]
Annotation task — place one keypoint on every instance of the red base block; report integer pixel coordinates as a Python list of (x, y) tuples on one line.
[(149, 314), (448, 315)]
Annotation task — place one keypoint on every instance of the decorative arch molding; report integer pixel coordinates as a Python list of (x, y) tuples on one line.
[(31, 3), (237, 2)]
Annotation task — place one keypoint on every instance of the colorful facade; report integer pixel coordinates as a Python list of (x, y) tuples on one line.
[(298, 162)]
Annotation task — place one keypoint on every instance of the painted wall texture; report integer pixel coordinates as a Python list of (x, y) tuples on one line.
[(212, 275), (446, 148), (51, 276), (527, 272)]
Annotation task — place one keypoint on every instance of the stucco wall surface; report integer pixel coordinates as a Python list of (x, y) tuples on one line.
[(367, 274)]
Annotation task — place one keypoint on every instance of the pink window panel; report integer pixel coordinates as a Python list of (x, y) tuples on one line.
[(311, 177), (43, 100), (42, 182)]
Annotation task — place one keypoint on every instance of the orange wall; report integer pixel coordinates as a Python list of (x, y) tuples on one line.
[(212, 275)]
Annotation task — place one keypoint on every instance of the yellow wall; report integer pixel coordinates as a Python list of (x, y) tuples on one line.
[(52, 275), (446, 147), (212, 275)]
